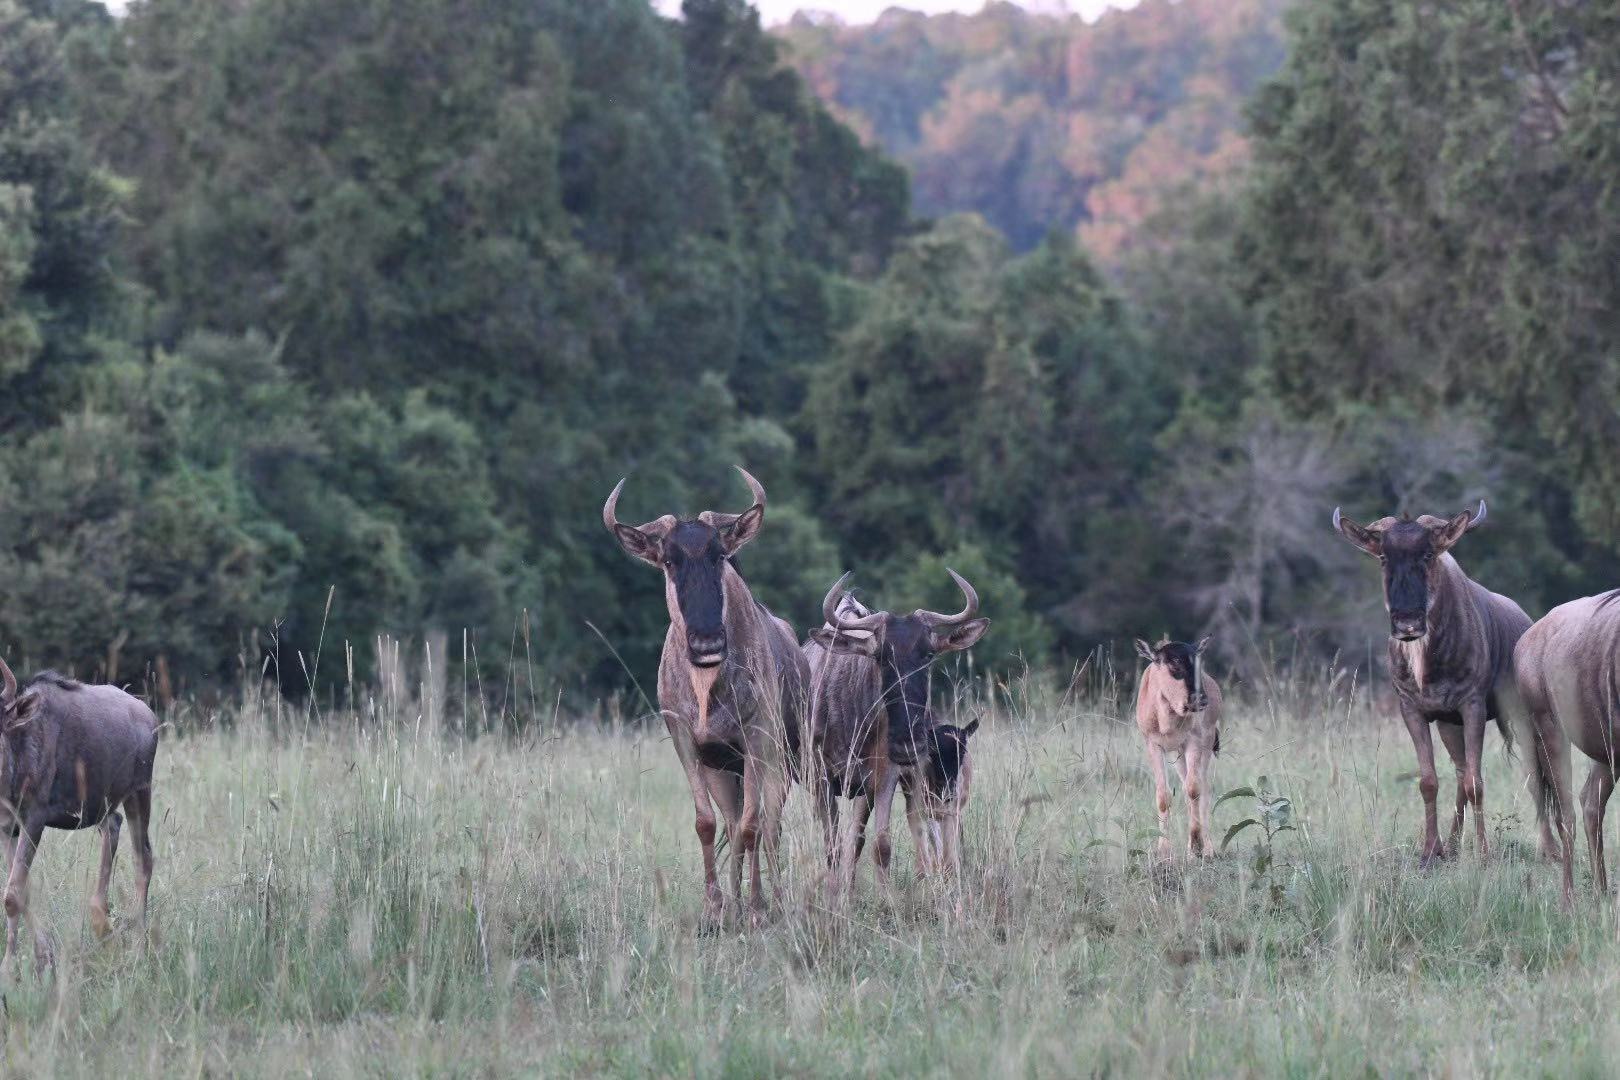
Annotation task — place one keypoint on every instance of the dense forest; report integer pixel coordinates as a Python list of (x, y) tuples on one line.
[(328, 319), (1039, 123)]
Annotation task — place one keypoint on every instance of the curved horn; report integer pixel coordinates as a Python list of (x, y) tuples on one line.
[(829, 608), (610, 509), (1479, 516), (754, 486), (934, 618), (1336, 517), (10, 681)]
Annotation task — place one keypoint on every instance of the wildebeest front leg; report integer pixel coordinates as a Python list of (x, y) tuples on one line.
[(1161, 797), (883, 807), (110, 826), (1417, 725), (1452, 736), (1473, 777), (853, 840), (713, 901), (1594, 801), (1194, 780), (921, 836), (748, 832), (23, 848), (726, 790)]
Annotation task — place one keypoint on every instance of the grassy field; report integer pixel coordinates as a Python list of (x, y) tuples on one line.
[(379, 898)]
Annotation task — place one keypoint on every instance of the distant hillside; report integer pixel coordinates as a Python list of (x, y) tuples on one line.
[(1039, 122)]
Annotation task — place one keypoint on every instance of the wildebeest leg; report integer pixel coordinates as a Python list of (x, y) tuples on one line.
[(726, 790), (1195, 782), (110, 826), (138, 809), (23, 849), (1161, 796), (827, 814), (773, 796), (883, 807), (1452, 736), (1417, 726), (1594, 800), (1474, 779), (853, 840), (748, 830), (951, 842), (698, 780), (921, 838)]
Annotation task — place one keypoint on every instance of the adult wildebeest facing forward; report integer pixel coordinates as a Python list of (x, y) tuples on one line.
[(1568, 667), (731, 683), (1450, 654), (870, 722), (1178, 711), (72, 755)]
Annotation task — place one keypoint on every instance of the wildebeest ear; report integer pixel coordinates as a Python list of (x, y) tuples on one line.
[(1203, 643), (744, 529), (1145, 651), (970, 729), (1359, 535), (957, 638), (22, 710), (845, 644), (1452, 531), (644, 546)]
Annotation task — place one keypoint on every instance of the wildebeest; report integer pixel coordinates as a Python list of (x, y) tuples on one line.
[(870, 721), (73, 754), (1450, 654), (1178, 710), (936, 795), (731, 683), (1569, 684)]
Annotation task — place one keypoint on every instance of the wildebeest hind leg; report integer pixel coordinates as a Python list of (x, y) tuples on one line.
[(1452, 736), (138, 809), (110, 826), (1474, 777), (1594, 801)]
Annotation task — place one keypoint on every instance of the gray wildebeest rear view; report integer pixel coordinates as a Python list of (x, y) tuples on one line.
[(731, 684), (73, 754), (871, 727), (1568, 667), (1178, 711), (1450, 655)]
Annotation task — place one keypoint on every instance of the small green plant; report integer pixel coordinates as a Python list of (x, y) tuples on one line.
[(1272, 812)]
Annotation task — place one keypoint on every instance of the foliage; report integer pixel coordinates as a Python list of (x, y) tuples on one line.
[(1039, 122)]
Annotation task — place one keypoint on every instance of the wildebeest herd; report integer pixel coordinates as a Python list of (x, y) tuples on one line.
[(750, 710)]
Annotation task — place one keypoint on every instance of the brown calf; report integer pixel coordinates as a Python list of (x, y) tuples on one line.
[(1178, 710)]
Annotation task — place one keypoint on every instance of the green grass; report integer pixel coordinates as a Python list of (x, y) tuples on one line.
[(379, 899)]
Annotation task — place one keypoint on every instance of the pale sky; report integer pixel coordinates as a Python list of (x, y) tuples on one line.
[(861, 11)]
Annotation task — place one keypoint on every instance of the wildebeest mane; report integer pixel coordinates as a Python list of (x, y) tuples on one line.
[(50, 677)]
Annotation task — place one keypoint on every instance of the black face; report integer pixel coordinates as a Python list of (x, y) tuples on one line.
[(949, 750), (1409, 557), (1181, 661), (906, 652), (695, 562)]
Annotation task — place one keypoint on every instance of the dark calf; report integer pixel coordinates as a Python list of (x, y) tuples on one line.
[(70, 756)]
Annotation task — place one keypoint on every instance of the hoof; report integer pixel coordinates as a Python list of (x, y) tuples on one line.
[(100, 924), (1427, 860)]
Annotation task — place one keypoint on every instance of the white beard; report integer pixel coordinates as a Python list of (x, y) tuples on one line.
[(1417, 654)]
